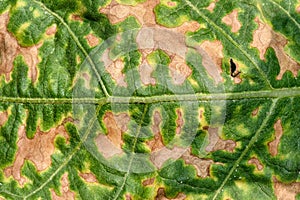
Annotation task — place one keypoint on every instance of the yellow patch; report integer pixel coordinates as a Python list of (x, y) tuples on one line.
[(20, 4), (36, 14)]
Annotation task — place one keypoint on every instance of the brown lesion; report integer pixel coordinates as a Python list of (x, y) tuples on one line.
[(89, 177), (114, 68), (128, 197), (212, 56), (161, 195), (10, 49), (179, 120), (202, 165), (157, 142), (3, 117), (286, 191), (170, 40), (232, 20), (66, 193), (111, 144), (212, 6), (92, 40), (51, 30), (76, 17), (255, 112), (273, 146), (216, 143), (265, 37), (37, 150), (148, 181), (257, 163)]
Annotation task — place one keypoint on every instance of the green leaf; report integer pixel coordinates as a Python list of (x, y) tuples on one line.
[(160, 99)]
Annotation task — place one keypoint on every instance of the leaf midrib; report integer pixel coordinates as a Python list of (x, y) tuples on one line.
[(275, 93)]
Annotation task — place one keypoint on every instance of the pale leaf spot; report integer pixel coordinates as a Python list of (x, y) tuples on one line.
[(88, 177), (212, 6), (148, 181), (157, 142), (3, 118), (273, 146), (145, 71), (179, 121), (51, 30), (216, 143), (179, 70), (76, 18)]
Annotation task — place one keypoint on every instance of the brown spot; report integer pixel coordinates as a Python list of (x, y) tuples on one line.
[(298, 9), (286, 191), (3, 118), (51, 30), (145, 71), (232, 20), (128, 197), (161, 195), (159, 157), (212, 6), (76, 18), (216, 143), (92, 40), (179, 121), (255, 112), (116, 125), (148, 181), (265, 37), (106, 147), (114, 68), (179, 70), (202, 165), (66, 193), (257, 163), (190, 26), (89, 177), (171, 4), (156, 143), (9, 49), (38, 150), (273, 146), (143, 12), (212, 55)]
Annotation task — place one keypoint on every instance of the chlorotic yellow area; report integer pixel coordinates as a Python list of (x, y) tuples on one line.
[(20, 4), (36, 13), (193, 82), (202, 120), (23, 27), (243, 130)]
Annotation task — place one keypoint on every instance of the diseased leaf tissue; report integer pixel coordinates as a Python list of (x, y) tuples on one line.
[(150, 99)]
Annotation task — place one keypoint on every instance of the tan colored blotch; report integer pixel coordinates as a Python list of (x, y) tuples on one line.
[(66, 193), (148, 181), (202, 165), (212, 6), (216, 143), (143, 12), (161, 195), (92, 40), (160, 156), (212, 55), (111, 144), (232, 20), (114, 68), (273, 146), (3, 117), (265, 37), (179, 121), (286, 191), (38, 150), (171, 3), (88, 177), (179, 70), (257, 163), (51, 30), (10, 49), (157, 142)]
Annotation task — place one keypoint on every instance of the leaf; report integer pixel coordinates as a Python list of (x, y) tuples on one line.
[(161, 99)]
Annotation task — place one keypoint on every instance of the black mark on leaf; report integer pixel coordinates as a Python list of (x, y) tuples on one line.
[(233, 71)]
